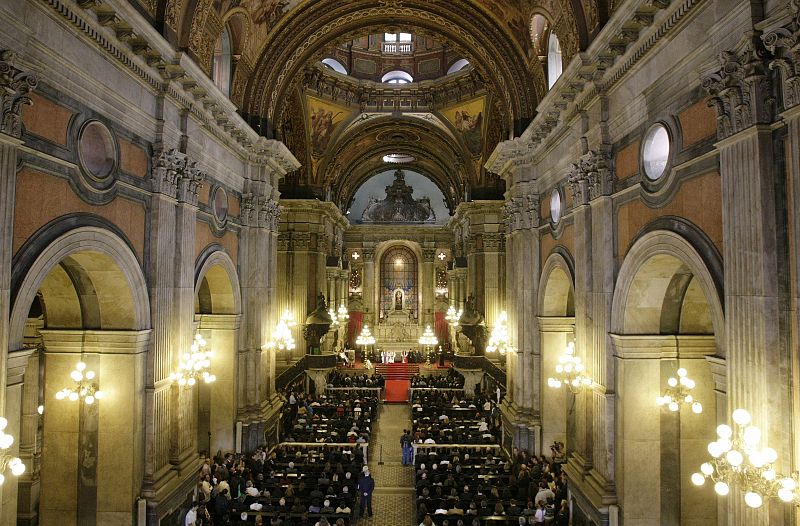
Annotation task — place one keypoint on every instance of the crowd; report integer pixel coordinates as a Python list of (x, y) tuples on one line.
[(447, 417), (334, 418), (477, 485), (337, 379), (452, 380)]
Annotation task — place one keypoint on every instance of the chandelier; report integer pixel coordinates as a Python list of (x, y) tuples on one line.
[(570, 371), (83, 389), (499, 340), (738, 462), (365, 338), (341, 313), (6, 460), (678, 392), (453, 316), (334, 318), (428, 339), (282, 339), (194, 365)]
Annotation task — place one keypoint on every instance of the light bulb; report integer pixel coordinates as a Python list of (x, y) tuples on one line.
[(714, 449), (769, 474), (698, 479), (660, 400), (3, 423), (80, 366), (99, 394), (681, 372), (673, 406), (559, 369), (756, 459), (707, 468), (182, 381), (697, 408), (753, 499), (734, 458), (786, 495), (73, 396), (721, 488), (789, 483), (17, 467), (76, 375), (6, 441), (770, 455), (89, 399), (724, 444), (688, 399), (40, 409), (60, 395), (89, 375), (690, 383), (724, 431), (752, 435), (672, 382), (741, 417)]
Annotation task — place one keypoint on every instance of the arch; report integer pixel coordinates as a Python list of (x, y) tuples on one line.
[(555, 61), (380, 251), (458, 65), (677, 264), (397, 76), (557, 285), (335, 65), (222, 63), (91, 249), (216, 283)]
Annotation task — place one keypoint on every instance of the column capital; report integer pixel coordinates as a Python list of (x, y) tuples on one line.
[(521, 212), (740, 87), (175, 176), (260, 211), (15, 86), (591, 177), (784, 44)]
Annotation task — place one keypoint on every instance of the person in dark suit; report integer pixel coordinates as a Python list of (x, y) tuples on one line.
[(366, 485)]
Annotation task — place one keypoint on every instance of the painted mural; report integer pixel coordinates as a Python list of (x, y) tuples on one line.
[(265, 14), (467, 119), (323, 117)]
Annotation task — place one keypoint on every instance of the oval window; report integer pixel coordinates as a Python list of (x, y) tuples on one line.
[(655, 152), (96, 150), (220, 204), (555, 206)]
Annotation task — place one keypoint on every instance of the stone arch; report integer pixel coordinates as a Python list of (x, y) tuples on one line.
[(118, 298), (216, 287), (674, 271), (557, 286)]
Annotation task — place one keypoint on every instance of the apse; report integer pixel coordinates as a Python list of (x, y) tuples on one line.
[(374, 190)]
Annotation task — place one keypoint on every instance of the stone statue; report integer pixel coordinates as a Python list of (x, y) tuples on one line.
[(398, 300)]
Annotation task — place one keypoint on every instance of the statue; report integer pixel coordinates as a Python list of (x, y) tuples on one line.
[(473, 326), (398, 300)]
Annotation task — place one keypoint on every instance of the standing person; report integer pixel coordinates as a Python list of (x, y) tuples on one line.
[(562, 517), (404, 445), (366, 485)]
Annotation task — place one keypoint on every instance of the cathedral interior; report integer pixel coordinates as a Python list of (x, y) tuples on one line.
[(575, 223)]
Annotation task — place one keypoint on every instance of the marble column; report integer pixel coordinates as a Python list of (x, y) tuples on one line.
[(740, 90), (368, 287), (427, 286), (15, 86)]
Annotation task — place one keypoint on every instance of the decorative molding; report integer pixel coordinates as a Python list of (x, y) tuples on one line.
[(741, 89), (591, 177), (262, 212), (521, 213), (784, 44), (15, 85), (175, 176)]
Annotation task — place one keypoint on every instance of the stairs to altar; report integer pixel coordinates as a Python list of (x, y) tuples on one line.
[(397, 371)]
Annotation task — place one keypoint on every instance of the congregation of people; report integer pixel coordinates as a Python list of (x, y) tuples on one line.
[(448, 417), (479, 486), (336, 417), (452, 380), (338, 379)]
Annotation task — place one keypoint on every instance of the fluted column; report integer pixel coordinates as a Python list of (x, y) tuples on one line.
[(740, 91), (368, 287), (428, 277)]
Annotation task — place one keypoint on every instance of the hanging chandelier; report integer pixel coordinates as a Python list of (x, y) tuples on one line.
[(84, 387), (282, 339), (499, 341), (194, 365), (365, 338), (738, 462), (428, 339), (341, 313), (7, 461), (570, 371), (334, 318), (453, 316), (679, 392)]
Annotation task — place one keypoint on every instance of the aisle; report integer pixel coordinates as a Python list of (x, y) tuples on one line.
[(393, 499)]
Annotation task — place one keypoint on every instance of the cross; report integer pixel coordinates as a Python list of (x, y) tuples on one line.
[(441, 256), (355, 255)]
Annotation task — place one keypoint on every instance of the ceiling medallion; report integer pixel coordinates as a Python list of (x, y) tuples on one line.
[(399, 158)]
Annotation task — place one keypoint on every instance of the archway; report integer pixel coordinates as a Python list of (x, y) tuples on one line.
[(666, 314), (217, 317), (83, 298), (556, 330)]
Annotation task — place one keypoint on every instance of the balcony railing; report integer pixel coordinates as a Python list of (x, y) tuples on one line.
[(398, 48)]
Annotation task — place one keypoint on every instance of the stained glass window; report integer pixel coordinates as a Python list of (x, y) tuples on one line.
[(399, 281)]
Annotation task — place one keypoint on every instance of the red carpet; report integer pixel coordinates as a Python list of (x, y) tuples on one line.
[(397, 390)]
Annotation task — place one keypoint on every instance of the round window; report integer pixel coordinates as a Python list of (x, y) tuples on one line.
[(655, 152), (96, 150), (220, 204), (555, 206)]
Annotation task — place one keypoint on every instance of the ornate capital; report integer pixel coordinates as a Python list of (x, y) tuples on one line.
[(784, 44), (740, 89), (591, 177), (175, 176), (521, 212), (493, 242), (15, 85), (260, 212), (428, 254)]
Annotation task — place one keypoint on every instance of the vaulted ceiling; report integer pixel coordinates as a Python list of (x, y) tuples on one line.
[(277, 43)]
